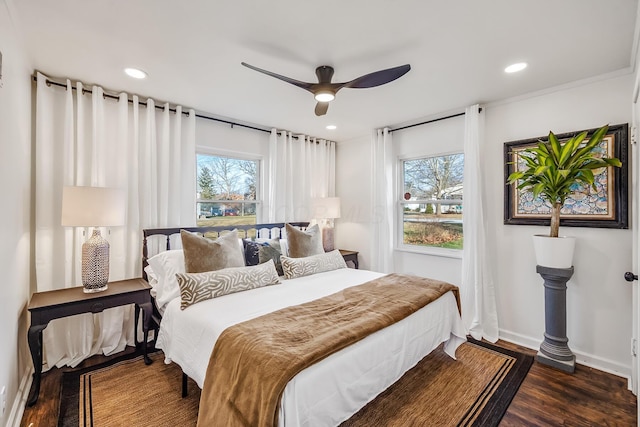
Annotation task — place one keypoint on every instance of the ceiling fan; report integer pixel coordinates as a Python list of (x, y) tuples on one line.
[(325, 91)]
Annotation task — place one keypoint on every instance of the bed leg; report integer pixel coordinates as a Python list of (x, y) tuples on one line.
[(184, 385)]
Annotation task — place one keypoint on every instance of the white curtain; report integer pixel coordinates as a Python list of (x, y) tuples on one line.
[(382, 201), (478, 294), (85, 139), (300, 168)]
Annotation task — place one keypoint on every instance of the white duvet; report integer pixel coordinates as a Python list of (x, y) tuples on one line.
[(335, 388)]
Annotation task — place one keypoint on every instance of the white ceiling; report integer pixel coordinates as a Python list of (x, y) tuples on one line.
[(192, 50)]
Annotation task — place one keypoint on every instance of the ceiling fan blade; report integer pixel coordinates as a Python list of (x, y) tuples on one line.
[(378, 78), (324, 89), (321, 108), (303, 85)]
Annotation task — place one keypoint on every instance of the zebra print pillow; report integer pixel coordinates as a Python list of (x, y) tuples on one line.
[(197, 287), (298, 267)]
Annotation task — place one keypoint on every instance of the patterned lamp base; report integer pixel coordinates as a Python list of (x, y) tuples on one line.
[(327, 239), (95, 263)]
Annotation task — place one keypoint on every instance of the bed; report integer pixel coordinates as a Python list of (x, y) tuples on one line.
[(333, 389)]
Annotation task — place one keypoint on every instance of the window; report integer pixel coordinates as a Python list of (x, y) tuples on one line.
[(227, 190), (431, 202)]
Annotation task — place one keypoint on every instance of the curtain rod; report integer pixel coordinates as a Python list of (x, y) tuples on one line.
[(173, 110), (430, 121), (158, 107)]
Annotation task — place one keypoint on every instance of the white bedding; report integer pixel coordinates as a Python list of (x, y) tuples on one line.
[(332, 390)]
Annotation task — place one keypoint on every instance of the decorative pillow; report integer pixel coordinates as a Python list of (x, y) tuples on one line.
[(284, 246), (203, 254), (298, 267), (304, 243), (271, 250), (251, 249), (164, 267), (197, 287)]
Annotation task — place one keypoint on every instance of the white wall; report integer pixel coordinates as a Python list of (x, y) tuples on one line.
[(599, 300), (599, 311), (223, 138), (353, 186), (15, 217)]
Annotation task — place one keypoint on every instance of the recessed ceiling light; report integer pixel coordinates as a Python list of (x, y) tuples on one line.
[(514, 68), (135, 73), (332, 127)]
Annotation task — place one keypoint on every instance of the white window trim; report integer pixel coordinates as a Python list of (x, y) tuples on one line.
[(239, 155), (400, 246)]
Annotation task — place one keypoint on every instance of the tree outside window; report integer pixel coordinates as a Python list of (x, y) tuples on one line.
[(226, 190), (432, 201)]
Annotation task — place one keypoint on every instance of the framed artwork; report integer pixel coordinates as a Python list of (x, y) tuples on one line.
[(605, 207)]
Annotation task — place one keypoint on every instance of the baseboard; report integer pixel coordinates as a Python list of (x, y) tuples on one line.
[(519, 339), (582, 358), (17, 409)]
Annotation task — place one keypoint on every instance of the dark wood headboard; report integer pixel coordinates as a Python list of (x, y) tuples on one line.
[(245, 231)]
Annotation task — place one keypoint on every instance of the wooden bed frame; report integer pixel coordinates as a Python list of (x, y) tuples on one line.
[(272, 231)]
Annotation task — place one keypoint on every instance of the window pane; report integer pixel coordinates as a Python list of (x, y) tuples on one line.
[(225, 178), (423, 227), (438, 222), (227, 214), (226, 190)]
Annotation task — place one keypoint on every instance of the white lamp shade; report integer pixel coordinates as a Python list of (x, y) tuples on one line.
[(92, 207), (326, 207)]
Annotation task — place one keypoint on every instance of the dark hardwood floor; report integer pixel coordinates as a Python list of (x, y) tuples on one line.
[(45, 412), (588, 397), (547, 397)]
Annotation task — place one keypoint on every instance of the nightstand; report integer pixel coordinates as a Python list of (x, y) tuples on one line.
[(50, 305), (350, 256)]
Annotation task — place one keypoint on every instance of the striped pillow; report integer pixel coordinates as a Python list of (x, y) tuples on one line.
[(197, 287), (298, 267)]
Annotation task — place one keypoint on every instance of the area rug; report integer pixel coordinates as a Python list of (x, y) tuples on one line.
[(474, 390)]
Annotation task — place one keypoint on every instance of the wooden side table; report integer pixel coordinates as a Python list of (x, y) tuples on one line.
[(350, 256), (49, 305)]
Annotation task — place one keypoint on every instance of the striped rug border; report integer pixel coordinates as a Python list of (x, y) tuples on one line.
[(487, 410), (69, 414), (501, 389)]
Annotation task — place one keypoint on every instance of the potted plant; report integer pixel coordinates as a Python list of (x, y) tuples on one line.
[(553, 172)]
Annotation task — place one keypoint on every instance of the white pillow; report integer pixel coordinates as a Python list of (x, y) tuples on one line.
[(152, 279), (165, 266), (151, 276), (284, 246)]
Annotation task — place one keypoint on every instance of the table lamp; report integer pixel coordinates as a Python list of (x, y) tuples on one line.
[(327, 209), (93, 207)]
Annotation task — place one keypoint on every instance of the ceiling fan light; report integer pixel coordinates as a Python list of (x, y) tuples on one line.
[(325, 96)]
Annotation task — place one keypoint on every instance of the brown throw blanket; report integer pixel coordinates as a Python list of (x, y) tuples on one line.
[(253, 361)]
